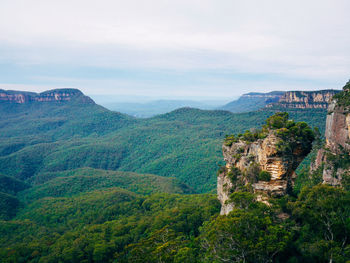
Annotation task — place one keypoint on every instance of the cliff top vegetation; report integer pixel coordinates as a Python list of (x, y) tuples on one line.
[(343, 98), (291, 133)]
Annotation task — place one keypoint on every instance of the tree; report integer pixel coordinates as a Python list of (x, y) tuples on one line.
[(323, 213), (245, 235)]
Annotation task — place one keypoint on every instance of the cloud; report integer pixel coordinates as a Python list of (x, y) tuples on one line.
[(293, 39)]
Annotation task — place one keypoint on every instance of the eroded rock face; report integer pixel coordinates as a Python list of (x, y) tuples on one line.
[(337, 128), (58, 95), (264, 154), (224, 185), (337, 143), (306, 99)]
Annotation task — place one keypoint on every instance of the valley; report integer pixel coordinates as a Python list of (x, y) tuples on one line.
[(80, 183)]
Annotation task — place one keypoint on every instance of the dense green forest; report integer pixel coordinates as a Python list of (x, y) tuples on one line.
[(80, 183), (116, 225), (39, 138)]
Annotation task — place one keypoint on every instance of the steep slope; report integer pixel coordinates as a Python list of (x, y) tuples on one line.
[(252, 101), (263, 160), (334, 157), (57, 119), (57, 95), (305, 99)]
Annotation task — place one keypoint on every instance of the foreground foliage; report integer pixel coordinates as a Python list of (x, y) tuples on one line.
[(115, 225), (106, 225)]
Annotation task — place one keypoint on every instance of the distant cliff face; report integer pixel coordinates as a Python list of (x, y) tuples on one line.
[(335, 155), (263, 160), (306, 99), (281, 99), (58, 95)]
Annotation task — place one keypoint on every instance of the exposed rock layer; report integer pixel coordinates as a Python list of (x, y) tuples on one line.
[(57, 95), (265, 154), (337, 143), (306, 99)]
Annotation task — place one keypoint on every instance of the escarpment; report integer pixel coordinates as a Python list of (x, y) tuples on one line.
[(263, 161), (57, 95), (334, 158), (305, 99)]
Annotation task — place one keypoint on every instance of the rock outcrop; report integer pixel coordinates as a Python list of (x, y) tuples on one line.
[(334, 156), (281, 99), (57, 95), (264, 160), (305, 99)]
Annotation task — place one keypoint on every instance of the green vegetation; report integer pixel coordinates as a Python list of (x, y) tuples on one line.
[(307, 178), (87, 179), (9, 206), (294, 138), (248, 234), (343, 98), (11, 185), (107, 226), (247, 136), (264, 176), (39, 138), (323, 213), (83, 206), (293, 135), (233, 174), (254, 101), (317, 229), (115, 225)]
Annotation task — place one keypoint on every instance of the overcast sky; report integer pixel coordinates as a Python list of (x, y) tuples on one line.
[(174, 49)]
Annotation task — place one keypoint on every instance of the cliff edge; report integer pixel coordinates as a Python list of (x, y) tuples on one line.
[(319, 99), (334, 158), (56, 95), (263, 161)]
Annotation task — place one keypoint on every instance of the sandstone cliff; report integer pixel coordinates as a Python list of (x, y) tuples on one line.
[(305, 99), (57, 95), (263, 161), (334, 157)]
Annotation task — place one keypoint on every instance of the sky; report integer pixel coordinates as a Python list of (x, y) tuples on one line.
[(194, 49)]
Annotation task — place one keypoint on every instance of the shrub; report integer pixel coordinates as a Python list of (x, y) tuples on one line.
[(230, 139), (222, 169), (252, 172), (233, 174), (264, 176), (278, 120), (343, 98)]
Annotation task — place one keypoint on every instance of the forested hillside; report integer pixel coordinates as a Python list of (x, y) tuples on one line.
[(69, 191), (36, 138)]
